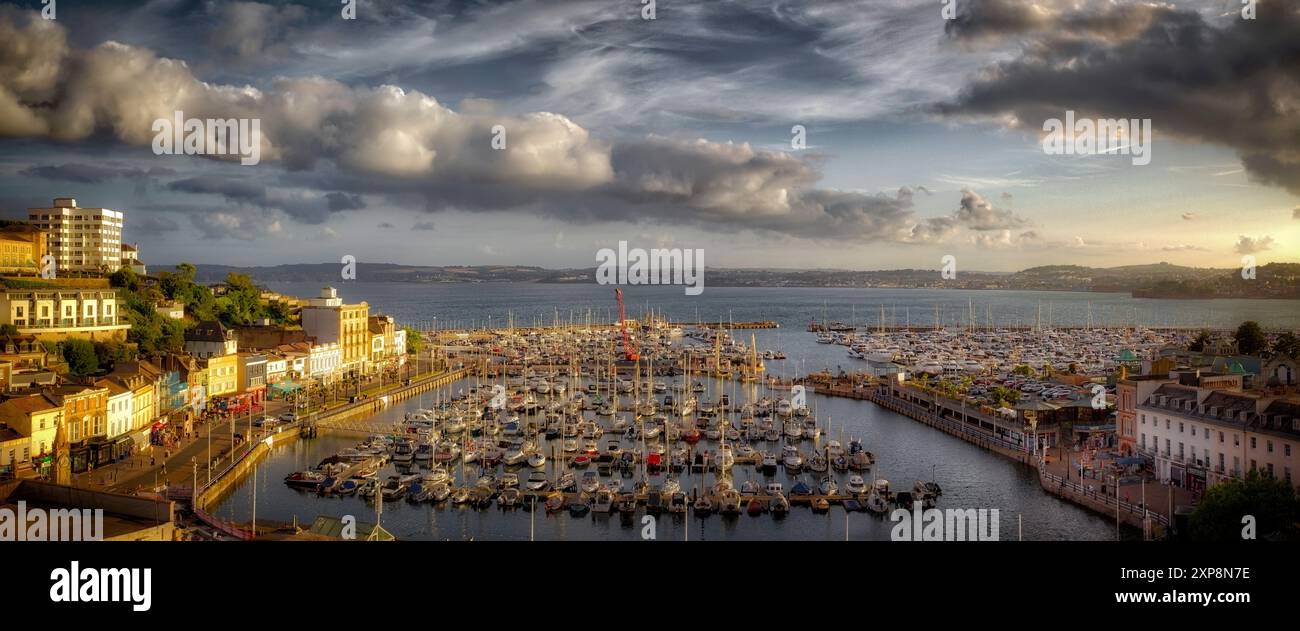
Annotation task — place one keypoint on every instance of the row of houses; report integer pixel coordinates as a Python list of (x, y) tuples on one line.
[(55, 427), (1197, 427)]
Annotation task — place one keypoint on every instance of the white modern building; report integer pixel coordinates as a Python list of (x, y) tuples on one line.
[(81, 239)]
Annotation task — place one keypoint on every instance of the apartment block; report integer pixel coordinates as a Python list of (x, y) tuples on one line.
[(81, 239)]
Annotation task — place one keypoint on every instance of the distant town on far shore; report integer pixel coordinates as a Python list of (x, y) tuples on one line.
[(1159, 280)]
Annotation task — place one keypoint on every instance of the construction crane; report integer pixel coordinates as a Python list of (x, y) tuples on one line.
[(629, 352)]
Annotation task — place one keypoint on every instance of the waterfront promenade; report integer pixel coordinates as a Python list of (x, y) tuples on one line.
[(1058, 468)]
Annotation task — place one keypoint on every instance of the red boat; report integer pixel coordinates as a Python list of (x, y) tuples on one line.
[(691, 436), (755, 507)]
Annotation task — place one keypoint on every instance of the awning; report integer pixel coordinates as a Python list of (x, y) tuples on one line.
[(1130, 461)]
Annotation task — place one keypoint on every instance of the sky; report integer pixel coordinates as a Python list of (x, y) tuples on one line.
[(536, 132)]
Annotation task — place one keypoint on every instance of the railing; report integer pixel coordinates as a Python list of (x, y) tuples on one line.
[(1107, 500)]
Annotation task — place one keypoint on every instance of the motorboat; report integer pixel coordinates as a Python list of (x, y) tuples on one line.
[(749, 487), (393, 488), (818, 462), (439, 491), (626, 503), (510, 480), (828, 486), (305, 479), (774, 488), (755, 507), (578, 509), (876, 504), (703, 505), (604, 502), (729, 502), (567, 482), (927, 488), (590, 482), (778, 505), (791, 458), (856, 485), (537, 481), (654, 501), (509, 498), (537, 459), (677, 503), (554, 502)]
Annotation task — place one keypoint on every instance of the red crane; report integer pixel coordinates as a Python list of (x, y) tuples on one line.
[(628, 351)]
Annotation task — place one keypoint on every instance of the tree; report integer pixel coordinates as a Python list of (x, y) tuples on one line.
[(81, 357), (125, 278), (108, 354), (1250, 338), (1271, 501), (9, 330), (1024, 370), (1202, 339), (414, 340), (1287, 344)]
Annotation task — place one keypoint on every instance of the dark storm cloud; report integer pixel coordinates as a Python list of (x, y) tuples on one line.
[(92, 174), (1233, 83), (230, 188), (151, 224), (343, 201)]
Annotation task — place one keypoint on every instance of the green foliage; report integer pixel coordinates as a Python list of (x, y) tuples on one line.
[(1271, 501), (1024, 370), (1287, 344), (108, 354), (1005, 397), (125, 278), (9, 329), (1250, 338), (414, 341), (1202, 339), (80, 356)]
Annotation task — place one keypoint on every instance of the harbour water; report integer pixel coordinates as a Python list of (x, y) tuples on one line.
[(905, 451)]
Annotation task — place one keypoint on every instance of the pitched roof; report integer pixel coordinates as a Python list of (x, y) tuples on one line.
[(207, 331)]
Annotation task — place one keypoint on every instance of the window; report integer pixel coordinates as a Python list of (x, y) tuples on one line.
[(1252, 442), (1166, 423), (1286, 449), (1180, 428), (1166, 446), (1144, 441), (1236, 440), (1269, 445), (1220, 437), (1180, 451)]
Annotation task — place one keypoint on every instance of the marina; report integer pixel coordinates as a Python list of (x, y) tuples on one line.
[(542, 372)]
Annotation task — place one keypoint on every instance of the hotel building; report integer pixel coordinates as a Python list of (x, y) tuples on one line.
[(81, 239)]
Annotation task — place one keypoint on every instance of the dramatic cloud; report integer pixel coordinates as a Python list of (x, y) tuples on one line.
[(1251, 245), (389, 140), (1233, 82), (252, 32), (978, 213), (93, 174)]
